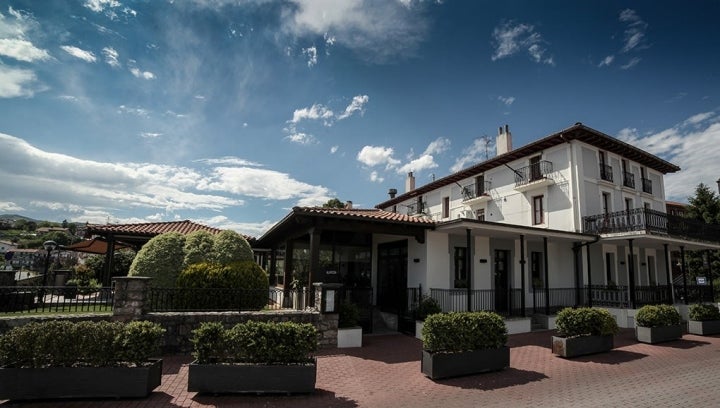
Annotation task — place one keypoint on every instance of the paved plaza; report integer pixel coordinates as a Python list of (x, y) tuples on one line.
[(385, 372)]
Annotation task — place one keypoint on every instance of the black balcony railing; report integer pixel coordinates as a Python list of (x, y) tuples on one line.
[(534, 172), (642, 219), (628, 179), (647, 186), (416, 208), (606, 173), (475, 190)]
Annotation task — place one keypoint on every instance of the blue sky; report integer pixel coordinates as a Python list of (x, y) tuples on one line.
[(231, 112)]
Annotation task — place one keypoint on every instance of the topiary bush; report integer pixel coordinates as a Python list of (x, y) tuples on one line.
[(255, 342), (703, 312), (463, 331), (198, 248), (161, 258), (585, 321), (348, 315), (427, 306), (82, 344), (657, 316), (229, 246), (246, 285)]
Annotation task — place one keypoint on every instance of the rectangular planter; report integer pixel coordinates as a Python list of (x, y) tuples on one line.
[(349, 337), (569, 347), (654, 335), (443, 365), (251, 378), (79, 382), (704, 328)]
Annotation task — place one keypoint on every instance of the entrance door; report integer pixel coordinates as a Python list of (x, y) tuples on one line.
[(501, 280), (392, 276)]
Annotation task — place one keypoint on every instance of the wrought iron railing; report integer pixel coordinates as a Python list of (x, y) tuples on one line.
[(643, 219), (628, 179), (606, 172), (694, 294), (55, 299), (619, 295), (456, 300), (475, 190), (225, 299), (416, 208), (534, 172), (559, 298), (646, 185)]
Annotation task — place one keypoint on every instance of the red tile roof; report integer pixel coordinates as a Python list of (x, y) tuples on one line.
[(150, 228), (365, 213)]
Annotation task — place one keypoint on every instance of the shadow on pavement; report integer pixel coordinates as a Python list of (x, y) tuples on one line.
[(155, 399), (683, 344), (614, 356), (388, 349), (320, 397), (491, 381)]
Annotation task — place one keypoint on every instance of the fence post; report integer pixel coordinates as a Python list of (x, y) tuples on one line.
[(132, 297)]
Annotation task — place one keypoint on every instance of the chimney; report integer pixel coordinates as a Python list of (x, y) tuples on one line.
[(392, 192), (504, 140), (348, 205), (410, 182)]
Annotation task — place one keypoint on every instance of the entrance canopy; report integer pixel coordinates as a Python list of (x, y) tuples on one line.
[(94, 246), (502, 230)]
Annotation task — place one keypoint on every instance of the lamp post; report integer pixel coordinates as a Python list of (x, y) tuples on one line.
[(49, 247)]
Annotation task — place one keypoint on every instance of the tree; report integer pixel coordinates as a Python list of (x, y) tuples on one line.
[(229, 246), (334, 203), (704, 206), (161, 258), (198, 248)]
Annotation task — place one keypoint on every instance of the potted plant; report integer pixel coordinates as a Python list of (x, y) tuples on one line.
[(704, 319), (60, 359), (582, 331), (657, 323), (253, 357), (463, 343), (349, 332), (426, 307)]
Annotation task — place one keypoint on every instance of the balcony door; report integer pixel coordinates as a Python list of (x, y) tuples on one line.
[(501, 280)]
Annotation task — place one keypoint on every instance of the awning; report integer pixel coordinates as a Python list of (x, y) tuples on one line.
[(94, 246)]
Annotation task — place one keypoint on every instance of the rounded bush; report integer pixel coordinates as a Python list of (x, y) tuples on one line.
[(229, 246), (463, 331), (704, 311), (198, 248), (427, 306), (348, 315), (245, 286), (161, 258), (585, 321), (657, 316)]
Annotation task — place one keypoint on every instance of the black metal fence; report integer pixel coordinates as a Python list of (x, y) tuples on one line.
[(54, 299), (225, 299), (554, 299), (507, 303)]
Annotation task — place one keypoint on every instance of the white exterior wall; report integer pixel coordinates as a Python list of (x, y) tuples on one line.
[(482, 272), (438, 259)]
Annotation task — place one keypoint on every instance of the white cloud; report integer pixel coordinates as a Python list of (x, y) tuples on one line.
[(16, 83), (7, 206), (507, 100), (633, 62), (423, 162), (377, 155), (134, 111), (372, 156), (229, 160), (22, 50), (606, 61), (437, 146), (481, 149), (301, 138), (255, 229), (142, 74), (692, 145), (111, 57), (334, 149), (150, 135), (635, 30), (311, 54), (375, 177), (510, 38), (314, 112), (109, 7), (76, 52), (356, 105)]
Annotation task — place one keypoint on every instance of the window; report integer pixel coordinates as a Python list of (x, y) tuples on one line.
[(606, 203), (480, 214), (536, 274), (538, 213), (461, 280), (479, 185), (609, 268), (605, 170), (535, 173), (446, 207), (419, 205), (651, 270)]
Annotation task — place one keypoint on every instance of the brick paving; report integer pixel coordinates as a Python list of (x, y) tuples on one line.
[(385, 372)]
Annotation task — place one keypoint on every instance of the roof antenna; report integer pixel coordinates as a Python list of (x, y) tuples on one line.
[(486, 140)]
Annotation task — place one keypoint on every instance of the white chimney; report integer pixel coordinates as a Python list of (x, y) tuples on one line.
[(504, 140), (348, 205), (410, 183)]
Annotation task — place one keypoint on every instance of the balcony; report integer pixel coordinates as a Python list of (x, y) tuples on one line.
[(628, 180), (476, 193), (606, 173), (647, 186), (415, 209), (652, 222), (534, 176)]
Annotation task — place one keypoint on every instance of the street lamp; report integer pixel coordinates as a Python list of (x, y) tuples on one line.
[(49, 247)]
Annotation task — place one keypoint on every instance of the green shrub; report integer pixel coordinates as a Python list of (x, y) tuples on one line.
[(161, 258), (463, 331), (348, 315), (198, 248), (67, 344), (427, 306), (704, 311), (246, 283), (657, 316), (585, 321), (229, 246), (255, 342)]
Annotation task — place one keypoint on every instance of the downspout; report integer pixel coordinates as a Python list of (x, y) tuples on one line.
[(589, 280), (468, 263), (522, 275), (668, 280), (547, 276), (684, 275)]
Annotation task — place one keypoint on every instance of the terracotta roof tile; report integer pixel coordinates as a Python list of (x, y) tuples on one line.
[(369, 214), (151, 228)]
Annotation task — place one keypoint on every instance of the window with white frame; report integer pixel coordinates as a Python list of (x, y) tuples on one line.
[(537, 210)]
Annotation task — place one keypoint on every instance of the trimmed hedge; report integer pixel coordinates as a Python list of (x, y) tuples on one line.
[(161, 258), (463, 331), (248, 279), (348, 315), (703, 312), (585, 321), (427, 306), (657, 316), (254, 342), (58, 343)]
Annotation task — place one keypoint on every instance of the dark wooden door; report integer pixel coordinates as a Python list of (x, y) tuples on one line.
[(501, 280), (392, 276)]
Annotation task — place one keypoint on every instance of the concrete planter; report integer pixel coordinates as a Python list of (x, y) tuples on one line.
[(569, 347), (704, 327), (79, 382), (252, 378), (349, 337), (654, 335), (444, 365), (518, 325)]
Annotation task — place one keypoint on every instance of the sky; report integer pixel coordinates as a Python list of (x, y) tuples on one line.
[(231, 112)]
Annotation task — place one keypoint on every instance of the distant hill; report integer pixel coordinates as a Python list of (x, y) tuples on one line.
[(16, 217)]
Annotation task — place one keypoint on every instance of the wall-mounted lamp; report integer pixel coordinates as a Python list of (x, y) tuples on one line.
[(483, 260), (622, 262), (416, 260), (642, 264)]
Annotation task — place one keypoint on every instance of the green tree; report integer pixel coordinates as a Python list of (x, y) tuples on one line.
[(198, 248), (334, 203), (704, 206), (229, 246), (161, 258), (60, 238)]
